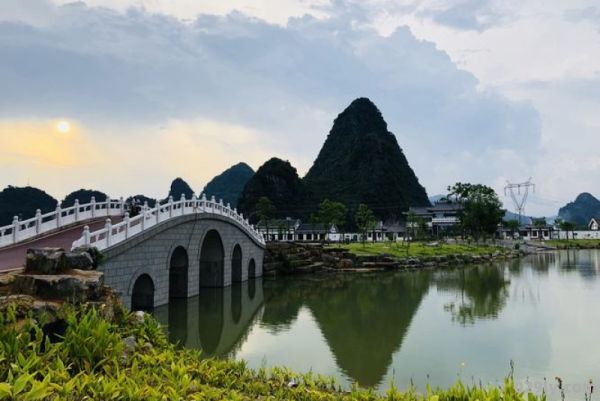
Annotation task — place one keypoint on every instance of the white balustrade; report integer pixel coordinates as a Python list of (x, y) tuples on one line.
[(113, 234), (21, 230)]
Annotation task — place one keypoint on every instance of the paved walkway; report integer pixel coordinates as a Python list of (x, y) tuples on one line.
[(14, 256)]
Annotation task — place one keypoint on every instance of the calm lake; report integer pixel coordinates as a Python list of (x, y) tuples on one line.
[(542, 312)]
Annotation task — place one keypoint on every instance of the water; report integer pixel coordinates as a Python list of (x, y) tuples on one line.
[(542, 312)]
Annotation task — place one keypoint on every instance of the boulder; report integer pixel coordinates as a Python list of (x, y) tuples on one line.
[(79, 260), (45, 260), (345, 264), (73, 285)]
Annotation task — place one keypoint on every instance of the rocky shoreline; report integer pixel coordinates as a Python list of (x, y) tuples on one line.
[(289, 258)]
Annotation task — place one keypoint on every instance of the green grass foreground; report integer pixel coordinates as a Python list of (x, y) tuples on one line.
[(93, 362), (417, 249)]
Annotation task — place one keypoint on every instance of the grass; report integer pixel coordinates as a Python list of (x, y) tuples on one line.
[(93, 362), (574, 243), (417, 249)]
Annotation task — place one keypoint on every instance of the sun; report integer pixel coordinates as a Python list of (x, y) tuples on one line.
[(63, 126)]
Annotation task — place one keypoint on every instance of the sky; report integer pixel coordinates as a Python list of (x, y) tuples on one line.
[(125, 95)]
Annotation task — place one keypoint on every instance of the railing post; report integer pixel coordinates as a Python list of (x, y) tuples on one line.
[(143, 217), (126, 219), (221, 207), (86, 235), (108, 227), (194, 203), (58, 215), (157, 211), (93, 205), (204, 202), (38, 221), (121, 205), (145, 206), (15, 229), (170, 206), (76, 206), (108, 205), (213, 201), (182, 204)]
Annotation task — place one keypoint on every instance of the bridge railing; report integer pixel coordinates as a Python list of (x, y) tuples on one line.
[(21, 230), (113, 234)]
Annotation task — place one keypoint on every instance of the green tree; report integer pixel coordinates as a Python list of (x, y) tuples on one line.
[(512, 225), (330, 213), (482, 210), (265, 210), (567, 226), (365, 220)]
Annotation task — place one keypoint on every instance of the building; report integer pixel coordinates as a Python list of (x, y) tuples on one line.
[(531, 232), (440, 217), (279, 229), (594, 224)]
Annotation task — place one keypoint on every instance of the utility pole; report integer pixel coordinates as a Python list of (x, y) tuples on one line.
[(519, 193)]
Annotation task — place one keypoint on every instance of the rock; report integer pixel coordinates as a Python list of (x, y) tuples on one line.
[(129, 346), (45, 260), (79, 260), (139, 316), (345, 264), (329, 260), (73, 285), (23, 304)]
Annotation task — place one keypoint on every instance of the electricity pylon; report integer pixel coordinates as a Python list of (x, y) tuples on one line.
[(519, 193)]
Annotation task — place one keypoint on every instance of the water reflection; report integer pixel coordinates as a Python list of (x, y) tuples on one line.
[(481, 292), (412, 323), (214, 321)]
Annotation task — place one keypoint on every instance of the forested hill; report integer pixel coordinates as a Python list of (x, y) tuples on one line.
[(361, 162), (229, 184)]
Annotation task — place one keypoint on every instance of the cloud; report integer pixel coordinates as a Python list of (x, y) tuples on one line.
[(126, 73)]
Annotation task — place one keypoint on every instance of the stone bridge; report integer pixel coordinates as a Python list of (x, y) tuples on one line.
[(170, 251)]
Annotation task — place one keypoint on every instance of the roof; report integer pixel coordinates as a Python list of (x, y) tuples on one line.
[(288, 223), (312, 228), (436, 208)]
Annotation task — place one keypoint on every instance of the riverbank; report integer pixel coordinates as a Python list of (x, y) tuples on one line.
[(106, 353), (285, 258), (574, 244)]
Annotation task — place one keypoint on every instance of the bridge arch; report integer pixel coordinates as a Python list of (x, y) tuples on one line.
[(178, 273), (236, 264), (212, 260), (142, 293), (251, 268)]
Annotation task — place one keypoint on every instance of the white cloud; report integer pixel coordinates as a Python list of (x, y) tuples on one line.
[(120, 69)]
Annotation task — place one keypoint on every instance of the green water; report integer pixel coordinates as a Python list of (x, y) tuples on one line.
[(542, 312)]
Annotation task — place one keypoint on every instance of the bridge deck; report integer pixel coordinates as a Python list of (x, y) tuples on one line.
[(14, 256)]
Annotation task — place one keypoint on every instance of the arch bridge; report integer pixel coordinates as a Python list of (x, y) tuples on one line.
[(169, 251)]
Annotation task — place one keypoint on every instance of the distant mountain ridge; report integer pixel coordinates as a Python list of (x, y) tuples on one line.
[(581, 210), (229, 184)]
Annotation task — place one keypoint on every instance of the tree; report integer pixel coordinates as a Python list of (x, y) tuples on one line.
[(332, 213), (265, 211), (83, 196), (512, 225), (567, 226), (365, 220), (482, 210)]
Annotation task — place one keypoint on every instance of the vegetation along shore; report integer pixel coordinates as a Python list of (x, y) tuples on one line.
[(107, 353)]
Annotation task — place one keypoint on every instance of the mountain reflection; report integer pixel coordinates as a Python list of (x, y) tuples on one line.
[(363, 318), (357, 325)]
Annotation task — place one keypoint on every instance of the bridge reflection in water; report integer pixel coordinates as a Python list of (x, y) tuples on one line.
[(215, 321)]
